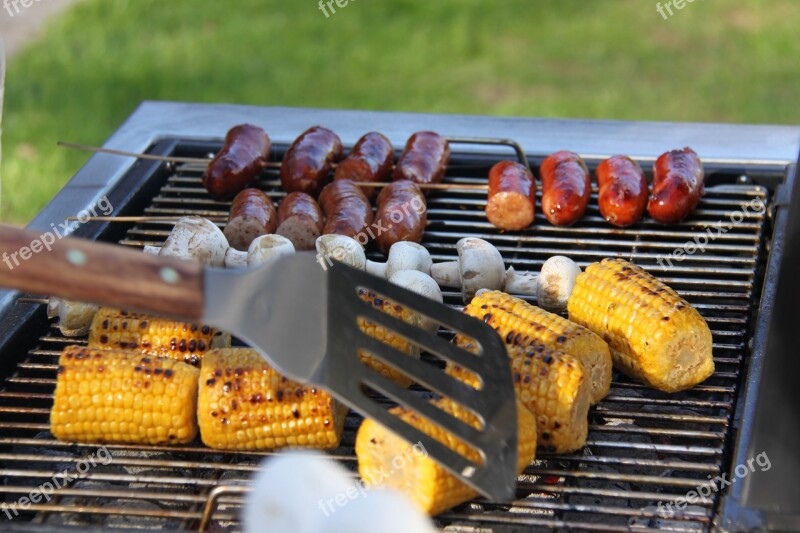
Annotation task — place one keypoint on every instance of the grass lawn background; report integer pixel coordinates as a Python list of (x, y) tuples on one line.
[(714, 60)]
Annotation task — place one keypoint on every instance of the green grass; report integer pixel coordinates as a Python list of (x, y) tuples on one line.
[(712, 61)]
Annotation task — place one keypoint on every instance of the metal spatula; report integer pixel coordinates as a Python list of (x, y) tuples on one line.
[(303, 320)]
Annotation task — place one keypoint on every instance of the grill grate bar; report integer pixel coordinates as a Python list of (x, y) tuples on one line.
[(644, 446)]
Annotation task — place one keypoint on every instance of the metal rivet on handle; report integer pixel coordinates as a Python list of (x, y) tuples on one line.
[(170, 275), (76, 257)]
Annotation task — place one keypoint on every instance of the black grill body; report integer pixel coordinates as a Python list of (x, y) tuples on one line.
[(644, 447)]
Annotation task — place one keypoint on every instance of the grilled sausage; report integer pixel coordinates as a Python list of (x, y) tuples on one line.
[(309, 160), (566, 187), (370, 160), (241, 160), (678, 182), (623, 190), (402, 214), (424, 159), (347, 210), (300, 220), (252, 214), (512, 193)]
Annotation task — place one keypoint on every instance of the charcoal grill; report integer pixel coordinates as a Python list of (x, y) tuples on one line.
[(644, 447)]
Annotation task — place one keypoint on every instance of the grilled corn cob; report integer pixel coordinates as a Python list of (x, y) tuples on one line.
[(429, 485), (161, 337), (552, 385), (244, 404), (522, 324), (654, 334), (116, 396), (386, 336)]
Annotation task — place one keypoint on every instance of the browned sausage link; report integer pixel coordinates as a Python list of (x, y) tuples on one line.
[(252, 215), (566, 187), (347, 210), (424, 159), (622, 190), (678, 182), (369, 160), (243, 156), (309, 160), (300, 220), (512, 194), (402, 214)]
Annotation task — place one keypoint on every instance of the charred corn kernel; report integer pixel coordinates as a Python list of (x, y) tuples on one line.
[(244, 404), (654, 334), (522, 324), (117, 396), (429, 485), (386, 336), (552, 385), (162, 337)]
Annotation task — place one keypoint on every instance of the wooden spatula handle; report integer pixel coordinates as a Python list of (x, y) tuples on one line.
[(107, 274)]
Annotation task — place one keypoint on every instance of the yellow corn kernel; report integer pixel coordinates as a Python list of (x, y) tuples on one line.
[(244, 404), (117, 396), (387, 337), (161, 337), (552, 385), (432, 488), (654, 334), (522, 324)]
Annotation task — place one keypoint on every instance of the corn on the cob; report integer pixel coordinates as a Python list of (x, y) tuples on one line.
[(654, 334), (432, 488), (115, 396), (244, 404), (161, 337), (552, 385), (522, 324), (386, 336)]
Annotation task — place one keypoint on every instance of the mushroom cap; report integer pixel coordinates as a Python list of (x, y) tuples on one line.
[(196, 238), (340, 248), (480, 264), (424, 285), (556, 281), (267, 248), (407, 255)]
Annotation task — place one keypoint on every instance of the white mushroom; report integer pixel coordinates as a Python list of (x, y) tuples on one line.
[(235, 258), (423, 285), (555, 283), (403, 255), (340, 248), (268, 248), (264, 249), (479, 266), (196, 238), (74, 318), (406, 255), (191, 238)]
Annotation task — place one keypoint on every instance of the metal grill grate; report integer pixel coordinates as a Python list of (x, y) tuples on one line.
[(644, 446)]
